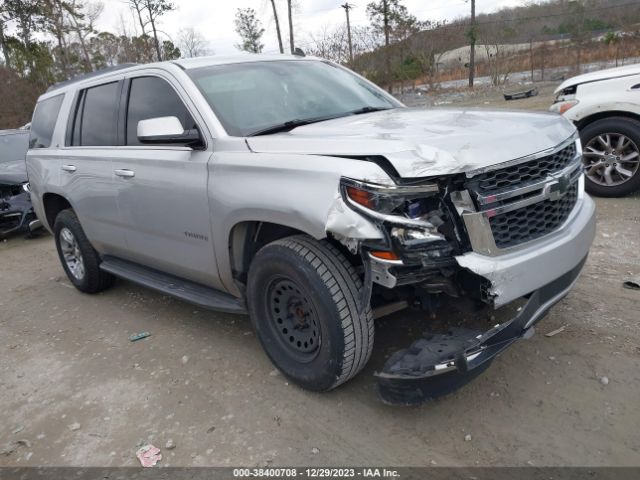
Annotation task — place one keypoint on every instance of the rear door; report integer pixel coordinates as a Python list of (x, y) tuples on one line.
[(86, 174), (162, 189)]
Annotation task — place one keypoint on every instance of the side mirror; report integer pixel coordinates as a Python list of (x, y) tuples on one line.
[(167, 130)]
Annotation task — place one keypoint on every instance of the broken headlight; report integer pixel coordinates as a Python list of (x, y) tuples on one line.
[(411, 215), (382, 201)]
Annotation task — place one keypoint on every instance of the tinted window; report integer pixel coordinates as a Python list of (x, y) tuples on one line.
[(44, 121), (152, 97), (99, 109), (13, 146)]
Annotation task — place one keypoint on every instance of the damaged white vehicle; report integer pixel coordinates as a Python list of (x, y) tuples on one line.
[(294, 190)]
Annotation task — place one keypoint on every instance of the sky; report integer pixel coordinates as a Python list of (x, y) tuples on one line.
[(214, 18)]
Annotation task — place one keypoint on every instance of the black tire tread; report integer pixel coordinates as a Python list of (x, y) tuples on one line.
[(344, 285)]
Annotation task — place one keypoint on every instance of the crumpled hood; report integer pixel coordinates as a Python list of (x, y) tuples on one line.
[(425, 142), (13, 172)]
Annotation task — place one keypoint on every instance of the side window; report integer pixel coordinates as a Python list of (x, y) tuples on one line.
[(44, 121), (96, 116), (151, 97)]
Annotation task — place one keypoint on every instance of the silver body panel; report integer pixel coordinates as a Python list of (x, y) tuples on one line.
[(177, 211), (523, 271)]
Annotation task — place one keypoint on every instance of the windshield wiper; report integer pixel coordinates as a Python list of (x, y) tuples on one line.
[(283, 127), (368, 109), (291, 124)]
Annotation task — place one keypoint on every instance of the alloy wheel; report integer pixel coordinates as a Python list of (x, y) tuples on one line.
[(611, 159), (71, 253)]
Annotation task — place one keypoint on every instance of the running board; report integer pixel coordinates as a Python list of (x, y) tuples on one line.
[(205, 297)]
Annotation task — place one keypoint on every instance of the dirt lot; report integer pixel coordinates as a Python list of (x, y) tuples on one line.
[(79, 393)]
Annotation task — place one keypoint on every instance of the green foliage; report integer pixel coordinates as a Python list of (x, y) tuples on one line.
[(611, 38), (400, 23), (170, 51), (250, 30)]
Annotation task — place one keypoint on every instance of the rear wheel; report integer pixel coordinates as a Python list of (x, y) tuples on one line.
[(79, 259), (303, 302), (611, 153)]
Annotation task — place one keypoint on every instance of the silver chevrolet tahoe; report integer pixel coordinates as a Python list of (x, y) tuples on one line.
[(296, 191)]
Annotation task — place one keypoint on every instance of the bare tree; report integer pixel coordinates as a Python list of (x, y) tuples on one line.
[(290, 14), (148, 13), (192, 43), (496, 41), (275, 18), (155, 9), (85, 26)]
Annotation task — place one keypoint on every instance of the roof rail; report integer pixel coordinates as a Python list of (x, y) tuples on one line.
[(86, 76)]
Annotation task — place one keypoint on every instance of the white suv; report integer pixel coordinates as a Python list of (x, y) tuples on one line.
[(605, 106)]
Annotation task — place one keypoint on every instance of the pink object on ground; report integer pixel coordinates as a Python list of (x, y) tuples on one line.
[(149, 455)]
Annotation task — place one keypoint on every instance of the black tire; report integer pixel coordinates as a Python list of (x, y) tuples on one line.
[(94, 280), (612, 125), (321, 289)]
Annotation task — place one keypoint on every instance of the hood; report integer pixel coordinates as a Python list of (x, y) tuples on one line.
[(421, 142), (13, 172), (606, 74)]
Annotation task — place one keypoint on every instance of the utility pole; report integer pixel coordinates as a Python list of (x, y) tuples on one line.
[(291, 42), (531, 56), (387, 58), (472, 44), (348, 7)]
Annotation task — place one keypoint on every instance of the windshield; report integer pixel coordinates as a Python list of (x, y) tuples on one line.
[(252, 97), (13, 146)]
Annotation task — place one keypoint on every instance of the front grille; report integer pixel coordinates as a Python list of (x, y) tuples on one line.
[(533, 221), (522, 174)]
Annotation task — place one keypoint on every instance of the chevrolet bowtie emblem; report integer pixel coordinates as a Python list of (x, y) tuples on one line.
[(560, 187)]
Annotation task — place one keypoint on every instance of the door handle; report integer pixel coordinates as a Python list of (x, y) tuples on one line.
[(125, 173), (69, 168)]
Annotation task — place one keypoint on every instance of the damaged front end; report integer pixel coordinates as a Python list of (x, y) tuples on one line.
[(16, 211), (519, 232)]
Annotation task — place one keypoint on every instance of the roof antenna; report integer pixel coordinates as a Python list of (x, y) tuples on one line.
[(298, 52)]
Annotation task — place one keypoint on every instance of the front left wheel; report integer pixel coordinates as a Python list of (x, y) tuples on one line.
[(303, 298)]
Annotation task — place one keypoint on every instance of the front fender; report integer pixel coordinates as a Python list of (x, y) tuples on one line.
[(297, 191)]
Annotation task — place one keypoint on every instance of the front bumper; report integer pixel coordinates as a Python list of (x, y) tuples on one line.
[(436, 365), (524, 270), (16, 213)]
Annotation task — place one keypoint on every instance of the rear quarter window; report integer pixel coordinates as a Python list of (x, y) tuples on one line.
[(44, 121)]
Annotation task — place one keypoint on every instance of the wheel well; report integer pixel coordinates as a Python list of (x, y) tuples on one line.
[(608, 114), (247, 238), (53, 204)]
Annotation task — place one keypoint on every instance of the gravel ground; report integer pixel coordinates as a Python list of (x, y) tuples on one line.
[(485, 97), (75, 391)]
